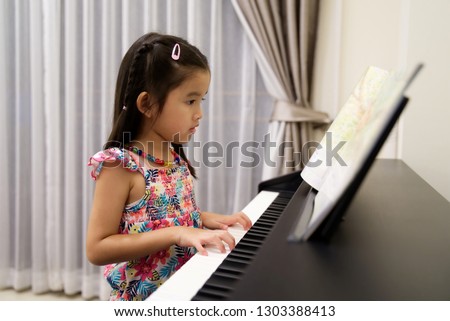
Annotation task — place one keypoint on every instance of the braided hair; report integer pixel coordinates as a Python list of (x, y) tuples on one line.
[(148, 67)]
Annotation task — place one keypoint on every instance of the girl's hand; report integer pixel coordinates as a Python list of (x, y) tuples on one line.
[(220, 221), (198, 238)]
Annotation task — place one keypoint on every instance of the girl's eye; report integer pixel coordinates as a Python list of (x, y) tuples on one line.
[(192, 101)]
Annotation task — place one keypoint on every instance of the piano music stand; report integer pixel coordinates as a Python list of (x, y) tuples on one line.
[(329, 225), (321, 227)]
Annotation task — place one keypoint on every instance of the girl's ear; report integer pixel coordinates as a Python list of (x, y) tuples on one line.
[(144, 103)]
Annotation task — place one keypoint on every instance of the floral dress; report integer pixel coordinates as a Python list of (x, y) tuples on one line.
[(168, 201)]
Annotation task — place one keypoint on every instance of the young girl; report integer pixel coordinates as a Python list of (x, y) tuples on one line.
[(145, 223)]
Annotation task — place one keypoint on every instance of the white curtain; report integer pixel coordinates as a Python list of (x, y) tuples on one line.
[(59, 61)]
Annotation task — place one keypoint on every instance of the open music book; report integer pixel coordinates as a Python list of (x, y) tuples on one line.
[(353, 141)]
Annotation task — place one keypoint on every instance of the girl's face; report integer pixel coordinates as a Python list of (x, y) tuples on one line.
[(182, 110)]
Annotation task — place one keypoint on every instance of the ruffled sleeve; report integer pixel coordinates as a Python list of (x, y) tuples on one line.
[(111, 155)]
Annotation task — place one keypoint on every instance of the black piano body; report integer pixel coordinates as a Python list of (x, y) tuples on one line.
[(393, 244)]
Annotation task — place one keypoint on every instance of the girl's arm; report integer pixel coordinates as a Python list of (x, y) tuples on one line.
[(220, 221), (103, 243)]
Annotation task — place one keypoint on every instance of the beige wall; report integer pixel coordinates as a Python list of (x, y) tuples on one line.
[(370, 36), (394, 34), (426, 123)]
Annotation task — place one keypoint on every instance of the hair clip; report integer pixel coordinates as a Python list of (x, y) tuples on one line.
[(124, 107), (176, 51)]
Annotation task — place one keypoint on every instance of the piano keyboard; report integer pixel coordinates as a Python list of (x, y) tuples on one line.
[(209, 277)]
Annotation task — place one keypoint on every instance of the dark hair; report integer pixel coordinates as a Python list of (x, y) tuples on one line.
[(148, 66)]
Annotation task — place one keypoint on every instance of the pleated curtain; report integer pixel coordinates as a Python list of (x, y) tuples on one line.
[(284, 36)]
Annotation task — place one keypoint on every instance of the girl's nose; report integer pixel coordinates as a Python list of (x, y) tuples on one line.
[(199, 114)]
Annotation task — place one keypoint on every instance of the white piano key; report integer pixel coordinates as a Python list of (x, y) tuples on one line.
[(259, 204), (188, 280)]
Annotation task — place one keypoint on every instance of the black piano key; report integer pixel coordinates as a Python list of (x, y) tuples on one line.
[(265, 226), (261, 228), (236, 259), (273, 210), (243, 253), (219, 282), (250, 243), (206, 297), (211, 294), (272, 215), (218, 286), (231, 275), (244, 249), (267, 220), (242, 257), (230, 268), (255, 237), (258, 233), (231, 265), (276, 207)]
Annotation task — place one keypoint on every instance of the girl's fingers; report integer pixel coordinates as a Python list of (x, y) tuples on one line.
[(199, 238), (244, 220), (201, 249), (228, 239), (219, 237), (219, 244), (245, 224)]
